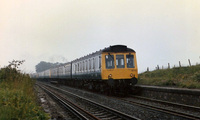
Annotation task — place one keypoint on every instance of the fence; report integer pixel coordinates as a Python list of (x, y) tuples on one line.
[(169, 66)]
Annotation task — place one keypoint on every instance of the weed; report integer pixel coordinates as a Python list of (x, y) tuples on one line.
[(17, 96)]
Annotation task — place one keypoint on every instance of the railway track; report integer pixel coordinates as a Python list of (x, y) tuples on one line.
[(181, 110), (84, 108), (156, 108)]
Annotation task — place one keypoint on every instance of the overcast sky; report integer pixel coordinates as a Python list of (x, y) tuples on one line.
[(160, 31)]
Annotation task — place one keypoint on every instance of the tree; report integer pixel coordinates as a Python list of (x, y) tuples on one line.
[(42, 66)]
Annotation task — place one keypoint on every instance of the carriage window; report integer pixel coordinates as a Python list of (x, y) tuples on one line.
[(130, 61), (120, 61), (109, 61), (93, 63), (89, 64), (99, 61), (78, 67), (83, 66), (86, 65)]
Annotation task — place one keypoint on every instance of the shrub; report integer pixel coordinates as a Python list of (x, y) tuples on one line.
[(17, 96), (14, 104)]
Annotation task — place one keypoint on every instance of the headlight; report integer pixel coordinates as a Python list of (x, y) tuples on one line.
[(110, 76), (131, 74)]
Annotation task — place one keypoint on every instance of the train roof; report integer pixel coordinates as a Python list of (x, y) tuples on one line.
[(118, 48), (88, 56), (114, 48)]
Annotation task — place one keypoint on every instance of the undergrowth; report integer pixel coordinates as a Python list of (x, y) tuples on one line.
[(183, 77), (17, 96)]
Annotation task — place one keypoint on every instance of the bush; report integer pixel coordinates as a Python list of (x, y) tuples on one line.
[(17, 96), (15, 105)]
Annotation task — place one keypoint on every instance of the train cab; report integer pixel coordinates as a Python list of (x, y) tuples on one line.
[(119, 65)]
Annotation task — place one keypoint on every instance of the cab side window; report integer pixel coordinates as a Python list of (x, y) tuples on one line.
[(109, 61)]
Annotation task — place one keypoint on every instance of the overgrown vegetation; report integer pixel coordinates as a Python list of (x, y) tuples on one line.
[(184, 77), (17, 96)]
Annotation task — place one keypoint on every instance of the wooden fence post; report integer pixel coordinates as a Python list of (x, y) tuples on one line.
[(179, 63), (199, 58), (189, 62), (168, 66)]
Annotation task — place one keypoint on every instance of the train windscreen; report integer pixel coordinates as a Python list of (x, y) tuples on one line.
[(120, 61), (130, 61)]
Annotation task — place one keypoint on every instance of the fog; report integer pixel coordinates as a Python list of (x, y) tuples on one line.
[(160, 31)]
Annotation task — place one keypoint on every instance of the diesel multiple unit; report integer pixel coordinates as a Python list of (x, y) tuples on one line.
[(113, 68)]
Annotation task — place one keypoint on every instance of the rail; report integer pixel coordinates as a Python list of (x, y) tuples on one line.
[(96, 110), (165, 110)]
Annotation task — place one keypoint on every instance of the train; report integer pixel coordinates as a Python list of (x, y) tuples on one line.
[(113, 68)]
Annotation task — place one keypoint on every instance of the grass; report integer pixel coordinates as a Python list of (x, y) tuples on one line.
[(183, 77), (17, 97)]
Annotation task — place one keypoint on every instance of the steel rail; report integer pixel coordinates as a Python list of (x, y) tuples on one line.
[(77, 111), (113, 111), (168, 111), (166, 102)]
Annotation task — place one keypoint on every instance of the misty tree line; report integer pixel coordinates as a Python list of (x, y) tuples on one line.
[(42, 66)]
